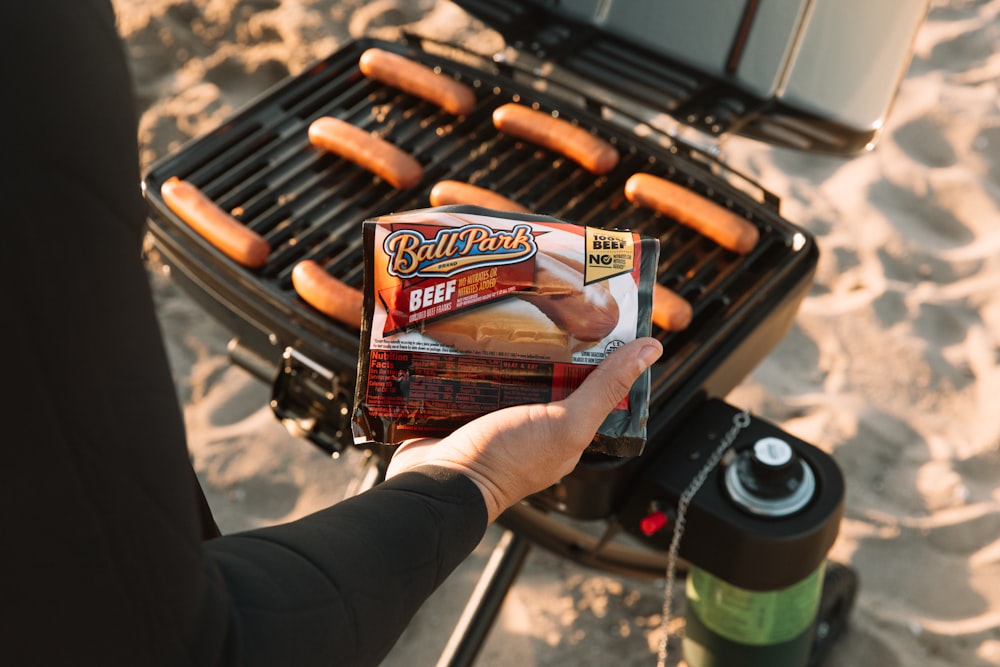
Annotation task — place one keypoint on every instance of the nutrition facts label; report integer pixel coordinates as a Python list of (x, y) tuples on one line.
[(452, 387)]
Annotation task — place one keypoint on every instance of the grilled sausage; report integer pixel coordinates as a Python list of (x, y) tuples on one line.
[(377, 155), (671, 311), (586, 312), (327, 294), (229, 235), (589, 151), (412, 77), (455, 192), (706, 217)]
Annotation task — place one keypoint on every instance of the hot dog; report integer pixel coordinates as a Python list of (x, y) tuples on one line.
[(327, 294), (586, 312), (366, 150), (706, 217), (455, 192), (230, 236), (590, 152), (671, 311), (509, 326), (409, 76)]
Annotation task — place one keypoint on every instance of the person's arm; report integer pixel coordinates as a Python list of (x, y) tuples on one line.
[(358, 571), (337, 587)]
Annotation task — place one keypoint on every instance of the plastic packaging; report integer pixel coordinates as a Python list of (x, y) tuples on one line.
[(469, 310)]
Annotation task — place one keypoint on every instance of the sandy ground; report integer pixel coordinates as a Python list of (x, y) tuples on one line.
[(892, 366)]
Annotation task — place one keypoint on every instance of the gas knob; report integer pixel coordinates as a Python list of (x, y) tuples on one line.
[(770, 479)]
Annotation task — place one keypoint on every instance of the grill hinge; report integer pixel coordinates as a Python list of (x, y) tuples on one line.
[(311, 402)]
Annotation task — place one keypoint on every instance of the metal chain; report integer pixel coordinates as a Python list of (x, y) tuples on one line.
[(740, 422)]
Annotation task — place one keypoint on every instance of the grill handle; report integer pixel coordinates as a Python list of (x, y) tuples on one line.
[(311, 402)]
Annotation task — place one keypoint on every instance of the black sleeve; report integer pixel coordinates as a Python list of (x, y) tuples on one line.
[(340, 586), (102, 553)]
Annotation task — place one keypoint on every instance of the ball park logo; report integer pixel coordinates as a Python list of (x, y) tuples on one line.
[(455, 249)]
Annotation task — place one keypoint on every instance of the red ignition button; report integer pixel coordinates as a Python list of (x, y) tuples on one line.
[(653, 523)]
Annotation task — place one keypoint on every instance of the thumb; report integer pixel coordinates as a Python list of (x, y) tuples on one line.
[(610, 382)]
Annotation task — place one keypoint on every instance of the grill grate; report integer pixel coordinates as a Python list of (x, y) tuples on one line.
[(309, 204)]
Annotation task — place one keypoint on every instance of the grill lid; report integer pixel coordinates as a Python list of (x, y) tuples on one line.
[(815, 75)]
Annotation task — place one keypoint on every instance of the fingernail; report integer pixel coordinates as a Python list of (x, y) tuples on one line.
[(649, 354)]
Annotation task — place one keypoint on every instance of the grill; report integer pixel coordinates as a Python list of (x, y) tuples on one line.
[(309, 204)]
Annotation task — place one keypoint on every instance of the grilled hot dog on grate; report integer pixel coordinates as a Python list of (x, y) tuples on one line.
[(671, 311), (412, 77), (327, 294), (366, 150), (226, 233), (445, 193), (689, 208), (589, 151)]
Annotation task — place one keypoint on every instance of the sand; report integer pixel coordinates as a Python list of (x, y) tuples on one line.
[(892, 365)]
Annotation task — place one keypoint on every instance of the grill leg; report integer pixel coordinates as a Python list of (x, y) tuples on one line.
[(483, 606)]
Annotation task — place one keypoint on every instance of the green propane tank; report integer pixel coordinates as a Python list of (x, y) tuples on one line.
[(760, 525), (729, 626)]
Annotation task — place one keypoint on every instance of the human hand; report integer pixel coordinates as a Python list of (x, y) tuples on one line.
[(520, 450)]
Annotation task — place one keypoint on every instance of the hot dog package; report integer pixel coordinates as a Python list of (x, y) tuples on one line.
[(469, 310)]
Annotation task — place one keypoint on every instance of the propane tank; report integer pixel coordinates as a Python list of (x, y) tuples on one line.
[(732, 626)]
